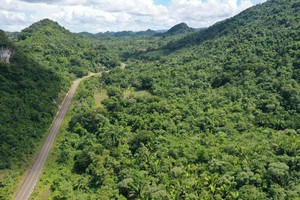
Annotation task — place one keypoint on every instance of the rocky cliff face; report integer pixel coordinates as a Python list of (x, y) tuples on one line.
[(5, 54)]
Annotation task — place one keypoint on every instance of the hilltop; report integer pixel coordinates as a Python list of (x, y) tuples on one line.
[(254, 22), (179, 29), (54, 46)]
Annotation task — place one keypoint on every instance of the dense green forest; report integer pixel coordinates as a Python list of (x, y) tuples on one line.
[(207, 114), (130, 33), (214, 114), (54, 46), (28, 103), (45, 58), (29, 97), (130, 45)]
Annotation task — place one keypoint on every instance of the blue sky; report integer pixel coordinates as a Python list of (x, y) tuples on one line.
[(168, 2), (162, 2), (118, 15)]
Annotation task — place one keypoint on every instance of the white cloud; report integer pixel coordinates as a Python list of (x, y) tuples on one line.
[(205, 13), (116, 15)]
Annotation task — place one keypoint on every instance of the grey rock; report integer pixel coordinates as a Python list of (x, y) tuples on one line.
[(5, 54)]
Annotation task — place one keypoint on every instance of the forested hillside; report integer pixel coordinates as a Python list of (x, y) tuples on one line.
[(130, 33), (29, 97), (214, 115), (43, 60), (29, 93), (54, 46)]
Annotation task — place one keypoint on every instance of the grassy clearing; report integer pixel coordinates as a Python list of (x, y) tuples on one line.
[(136, 93), (99, 97)]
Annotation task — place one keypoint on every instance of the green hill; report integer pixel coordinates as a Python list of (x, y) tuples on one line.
[(34, 75), (63, 51), (272, 18), (215, 116), (179, 29), (29, 95)]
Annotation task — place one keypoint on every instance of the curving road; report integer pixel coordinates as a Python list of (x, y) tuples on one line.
[(39, 163)]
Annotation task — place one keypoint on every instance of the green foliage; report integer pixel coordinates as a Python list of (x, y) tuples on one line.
[(129, 34), (129, 44), (114, 92), (28, 103), (278, 173), (54, 46), (222, 120), (179, 29), (29, 97)]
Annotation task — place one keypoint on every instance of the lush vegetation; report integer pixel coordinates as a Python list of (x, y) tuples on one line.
[(133, 44), (179, 29), (54, 46), (28, 101), (30, 95), (214, 115), (131, 33), (45, 58)]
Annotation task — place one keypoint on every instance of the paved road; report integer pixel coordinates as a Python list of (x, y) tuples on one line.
[(39, 163)]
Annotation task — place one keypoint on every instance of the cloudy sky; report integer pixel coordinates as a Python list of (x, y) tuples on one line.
[(117, 15)]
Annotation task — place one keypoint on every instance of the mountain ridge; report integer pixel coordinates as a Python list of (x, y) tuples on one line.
[(180, 28), (229, 25)]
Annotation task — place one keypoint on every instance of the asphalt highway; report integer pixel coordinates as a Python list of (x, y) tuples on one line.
[(39, 163)]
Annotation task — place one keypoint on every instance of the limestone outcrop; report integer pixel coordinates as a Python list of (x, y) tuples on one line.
[(5, 54)]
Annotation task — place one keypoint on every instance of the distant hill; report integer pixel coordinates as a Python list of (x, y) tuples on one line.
[(97, 36), (179, 29), (198, 29), (11, 35), (254, 21), (85, 33), (162, 31), (121, 34), (58, 48)]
